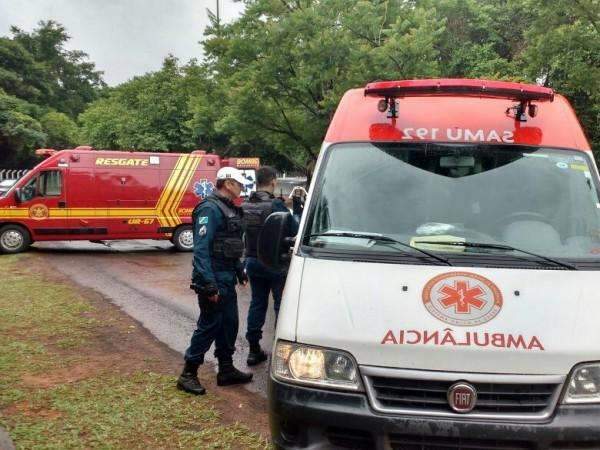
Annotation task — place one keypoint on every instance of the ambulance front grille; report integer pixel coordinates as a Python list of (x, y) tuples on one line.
[(498, 396)]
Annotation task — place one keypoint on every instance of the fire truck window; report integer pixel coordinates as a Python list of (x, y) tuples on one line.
[(28, 191), (50, 183)]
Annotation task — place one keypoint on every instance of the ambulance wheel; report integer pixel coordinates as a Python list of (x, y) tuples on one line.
[(183, 238), (14, 239)]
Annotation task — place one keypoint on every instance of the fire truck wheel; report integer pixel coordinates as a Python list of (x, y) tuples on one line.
[(183, 239), (14, 239)]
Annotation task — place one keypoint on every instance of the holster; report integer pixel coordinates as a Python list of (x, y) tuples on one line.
[(206, 290)]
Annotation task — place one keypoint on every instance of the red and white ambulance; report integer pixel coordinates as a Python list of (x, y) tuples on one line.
[(443, 290), (100, 195)]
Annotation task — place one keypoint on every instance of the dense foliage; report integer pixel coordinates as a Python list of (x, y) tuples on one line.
[(284, 65), (148, 112), (270, 80), (43, 88)]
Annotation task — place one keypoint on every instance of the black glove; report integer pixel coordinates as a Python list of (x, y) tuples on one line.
[(207, 290), (241, 275), (297, 205)]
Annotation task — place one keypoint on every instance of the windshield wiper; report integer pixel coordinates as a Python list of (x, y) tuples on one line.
[(500, 247), (379, 238)]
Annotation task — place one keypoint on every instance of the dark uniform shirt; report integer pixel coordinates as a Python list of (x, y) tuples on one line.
[(208, 220)]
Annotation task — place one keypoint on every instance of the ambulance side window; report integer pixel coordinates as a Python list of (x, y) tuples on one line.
[(50, 183)]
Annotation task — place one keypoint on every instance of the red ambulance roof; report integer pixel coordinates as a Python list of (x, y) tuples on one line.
[(456, 110)]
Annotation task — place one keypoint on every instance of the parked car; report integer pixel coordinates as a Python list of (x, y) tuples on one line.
[(5, 186)]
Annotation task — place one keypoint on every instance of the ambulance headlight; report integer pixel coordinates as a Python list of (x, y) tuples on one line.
[(584, 385), (315, 366)]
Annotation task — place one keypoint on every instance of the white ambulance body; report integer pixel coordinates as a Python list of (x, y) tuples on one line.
[(443, 290)]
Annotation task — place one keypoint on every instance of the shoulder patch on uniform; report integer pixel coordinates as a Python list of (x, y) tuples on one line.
[(203, 220), (202, 231)]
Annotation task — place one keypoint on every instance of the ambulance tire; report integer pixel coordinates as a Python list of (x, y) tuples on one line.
[(183, 238), (14, 239)]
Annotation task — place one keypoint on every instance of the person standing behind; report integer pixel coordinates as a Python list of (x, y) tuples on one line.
[(263, 281), (218, 246)]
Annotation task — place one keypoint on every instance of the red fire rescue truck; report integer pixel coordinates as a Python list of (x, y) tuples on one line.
[(98, 195)]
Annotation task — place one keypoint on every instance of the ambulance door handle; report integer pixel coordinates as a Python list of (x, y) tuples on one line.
[(62, 204)]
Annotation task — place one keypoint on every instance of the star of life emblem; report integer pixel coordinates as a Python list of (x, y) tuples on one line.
[(203, 188), (462, 298)]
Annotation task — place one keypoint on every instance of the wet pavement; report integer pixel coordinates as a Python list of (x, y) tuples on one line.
[(5, 441), (150, 282)]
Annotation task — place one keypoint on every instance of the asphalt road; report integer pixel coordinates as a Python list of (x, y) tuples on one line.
[(150, 282)]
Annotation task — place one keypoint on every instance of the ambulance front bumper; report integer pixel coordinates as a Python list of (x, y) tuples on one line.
[(304, 417)]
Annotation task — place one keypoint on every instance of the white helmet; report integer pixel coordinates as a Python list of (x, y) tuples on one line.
[(231, 173)]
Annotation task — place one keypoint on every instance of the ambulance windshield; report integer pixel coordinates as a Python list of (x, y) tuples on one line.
[(540, 200)]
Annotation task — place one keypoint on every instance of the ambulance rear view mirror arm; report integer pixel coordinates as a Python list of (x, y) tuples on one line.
[(274, 241), (518, 111), (390, 105)]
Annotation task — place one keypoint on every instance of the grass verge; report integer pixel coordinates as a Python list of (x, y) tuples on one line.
[(74, 376)]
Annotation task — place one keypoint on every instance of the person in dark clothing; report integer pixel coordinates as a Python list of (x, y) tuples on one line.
[(263, 280), (218, 246)]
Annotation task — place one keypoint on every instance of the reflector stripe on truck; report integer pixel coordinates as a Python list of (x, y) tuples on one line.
[(174, 191), (166, 195), (14, 212), (100, 213)]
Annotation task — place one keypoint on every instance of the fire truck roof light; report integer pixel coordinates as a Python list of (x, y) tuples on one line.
[(247, 163), (459, 87), (45, 152)]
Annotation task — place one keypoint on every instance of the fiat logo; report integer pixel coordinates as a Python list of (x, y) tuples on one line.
[(462, 397)]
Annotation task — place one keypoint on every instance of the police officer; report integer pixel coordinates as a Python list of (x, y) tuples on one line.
[(263, 281), (218, 246)]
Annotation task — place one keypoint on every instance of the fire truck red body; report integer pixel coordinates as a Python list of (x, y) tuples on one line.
[(99, 195)]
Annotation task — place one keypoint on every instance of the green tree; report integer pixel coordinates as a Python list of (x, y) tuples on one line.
[(19, 130), (283, 66), (280, 70), (74, 80), (61, 131), (43, 87), (102, 123), (564, 53), (150, 112), (480, 37), (272, 79), (20, 74)]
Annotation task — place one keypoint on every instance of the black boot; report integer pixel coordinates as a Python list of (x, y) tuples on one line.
[(256, 355), (229, 375), (188, 380)]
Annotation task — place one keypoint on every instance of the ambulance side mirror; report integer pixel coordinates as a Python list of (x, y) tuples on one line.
[(18, 198), (273, 240)]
